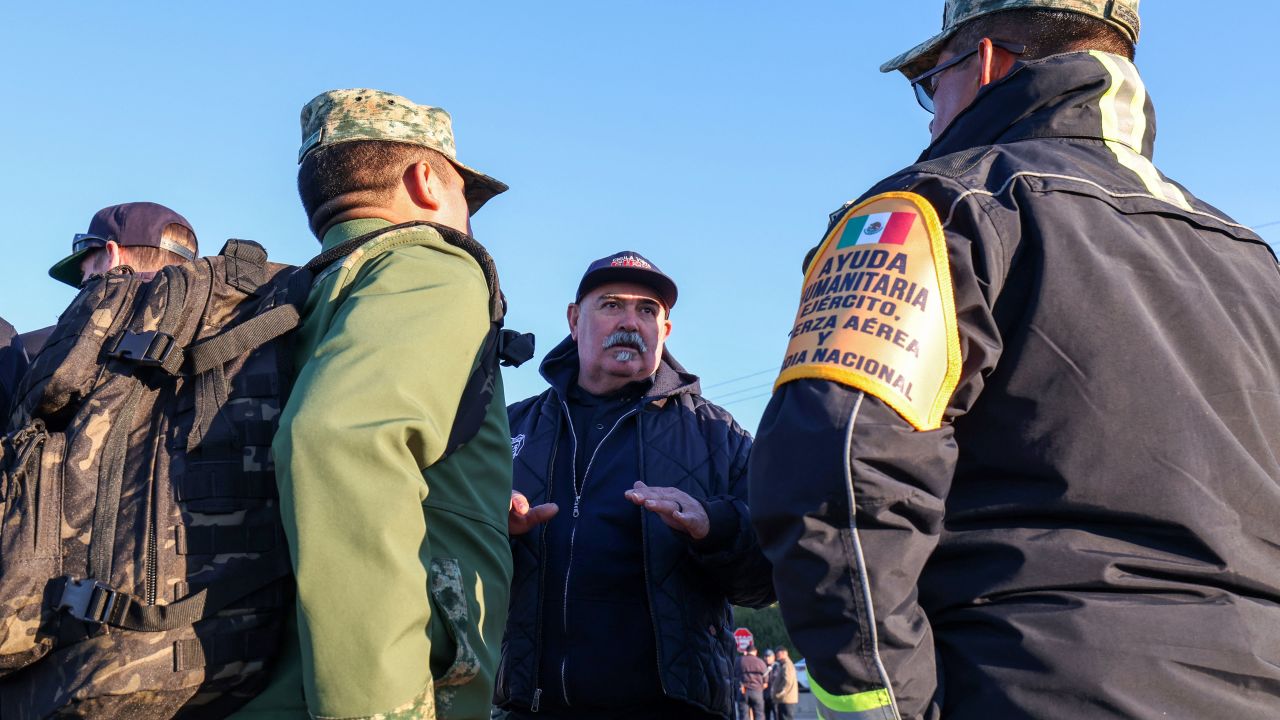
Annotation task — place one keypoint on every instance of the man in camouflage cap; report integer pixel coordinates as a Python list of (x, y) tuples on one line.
[(341, 116), (1021, 459), (397, 534)]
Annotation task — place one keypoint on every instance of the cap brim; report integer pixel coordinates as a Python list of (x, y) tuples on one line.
[(665, 286), (920, 58), (67, 270), (479, 188)]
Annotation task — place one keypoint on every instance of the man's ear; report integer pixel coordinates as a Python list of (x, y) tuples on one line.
[(421, 183), (994, 62), (572, 314), (115, 257)]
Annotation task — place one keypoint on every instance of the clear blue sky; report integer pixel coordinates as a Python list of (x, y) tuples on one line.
[(713, 137)]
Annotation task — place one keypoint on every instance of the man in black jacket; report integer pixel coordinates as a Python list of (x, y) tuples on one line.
[(630, 530), (1022, 457)]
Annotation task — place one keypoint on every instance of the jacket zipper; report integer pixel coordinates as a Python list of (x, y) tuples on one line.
[(577, 502), (542, 580), (648, 585)]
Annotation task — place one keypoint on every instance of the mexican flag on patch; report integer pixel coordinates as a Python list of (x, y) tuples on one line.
[(883, 228)]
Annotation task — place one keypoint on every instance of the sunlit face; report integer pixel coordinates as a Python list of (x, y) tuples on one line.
[(620, 329)]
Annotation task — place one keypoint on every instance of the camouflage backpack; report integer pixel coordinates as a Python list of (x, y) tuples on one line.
[(143, 568)]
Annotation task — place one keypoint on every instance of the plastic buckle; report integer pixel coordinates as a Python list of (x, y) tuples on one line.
[(149, 347), (81, 596)]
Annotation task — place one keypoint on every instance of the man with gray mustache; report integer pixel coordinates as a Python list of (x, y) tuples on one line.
[(629, 526)]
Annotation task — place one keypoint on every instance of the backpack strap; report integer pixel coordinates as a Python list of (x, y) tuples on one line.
[(94, 601), (106, 509), (512, 348), (318, 263), (500, 346), (458, 239), (248, 335), (245, 269)]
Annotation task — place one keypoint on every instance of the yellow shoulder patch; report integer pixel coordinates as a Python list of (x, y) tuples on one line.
[(877, 311)]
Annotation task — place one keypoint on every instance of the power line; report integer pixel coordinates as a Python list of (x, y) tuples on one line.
[(730, 381), (753, 397), (745, 390)]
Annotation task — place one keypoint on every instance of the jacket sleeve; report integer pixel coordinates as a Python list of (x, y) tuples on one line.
[(731, 553), (372, 408), (849, 499), (13, 365)]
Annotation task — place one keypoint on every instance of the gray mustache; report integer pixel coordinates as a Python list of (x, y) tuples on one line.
[(623, 337)]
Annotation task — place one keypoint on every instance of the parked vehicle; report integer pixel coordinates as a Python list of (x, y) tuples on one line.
[(802, 675)]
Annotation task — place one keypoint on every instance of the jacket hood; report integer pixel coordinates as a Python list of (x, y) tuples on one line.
[(1073, 95), (560, 369)]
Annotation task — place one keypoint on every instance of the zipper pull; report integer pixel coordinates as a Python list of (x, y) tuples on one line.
[(537, 700), (575, 507)]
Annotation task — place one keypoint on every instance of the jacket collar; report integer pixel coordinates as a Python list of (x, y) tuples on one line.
[(560, 369), (1091, 95), (345, 231)]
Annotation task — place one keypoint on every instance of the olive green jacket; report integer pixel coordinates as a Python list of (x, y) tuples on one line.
[(401, 558)]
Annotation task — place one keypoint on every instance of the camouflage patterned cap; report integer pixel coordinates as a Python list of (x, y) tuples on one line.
[(1123, 14), (339, 116)]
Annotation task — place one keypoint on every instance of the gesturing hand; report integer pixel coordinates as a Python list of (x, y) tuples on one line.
[(678, 509), (522, 518)]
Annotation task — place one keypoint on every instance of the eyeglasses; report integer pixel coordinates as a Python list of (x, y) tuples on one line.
[(926, 84), (85, 241)]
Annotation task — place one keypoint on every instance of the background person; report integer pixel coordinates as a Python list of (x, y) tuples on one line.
[(146, 236), (752, 678), (1021, 461), (769, 661), (143, 235), (784, 687)]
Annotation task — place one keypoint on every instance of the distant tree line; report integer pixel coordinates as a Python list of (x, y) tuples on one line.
[(766, 628)]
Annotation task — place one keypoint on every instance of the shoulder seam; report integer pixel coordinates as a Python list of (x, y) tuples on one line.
[(1008, 183)]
